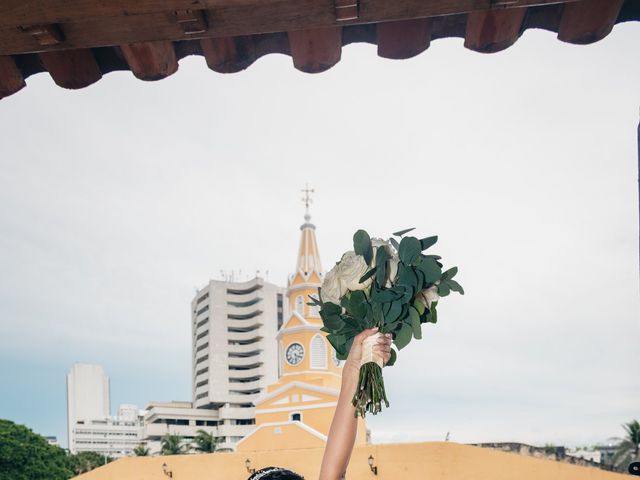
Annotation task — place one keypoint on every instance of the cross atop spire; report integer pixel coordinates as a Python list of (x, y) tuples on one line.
[(307, 200), (308, 256)]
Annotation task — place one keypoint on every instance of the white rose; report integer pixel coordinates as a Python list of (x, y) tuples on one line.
[(429, 295), (391, 255), (331, 287), (350, 269)]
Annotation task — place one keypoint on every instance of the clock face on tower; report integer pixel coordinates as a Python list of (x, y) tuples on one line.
[(294, 354)]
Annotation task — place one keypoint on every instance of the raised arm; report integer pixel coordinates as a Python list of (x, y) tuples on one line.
[(342, 433)]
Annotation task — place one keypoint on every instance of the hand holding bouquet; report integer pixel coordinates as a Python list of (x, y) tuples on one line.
[(386, 284)]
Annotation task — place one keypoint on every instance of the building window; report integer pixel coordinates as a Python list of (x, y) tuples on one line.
[(296, 417), (202, 310), (203, 297), (314, 311), (318, 352), (300, 305), (248, 421), (280, 313)]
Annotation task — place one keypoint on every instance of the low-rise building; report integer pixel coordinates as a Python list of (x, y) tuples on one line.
[(113, 436), (181, 418)]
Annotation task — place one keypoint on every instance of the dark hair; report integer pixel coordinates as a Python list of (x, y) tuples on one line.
[(275, 473)]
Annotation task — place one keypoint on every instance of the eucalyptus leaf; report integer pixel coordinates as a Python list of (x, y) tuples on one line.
[(392, 358), (336, 341), (419, 306), (449, 274), (427, 242), (409, 250), (358, 304), (455, 286), (414, 317), (402, 232), (331, 309), (362, 245), (403, 337), (333, 322), (394, 312), (367, 275), (395, 243), (444, 289), (385, 295), (381, 265), (406, 277), (430, 269), (378, 317)]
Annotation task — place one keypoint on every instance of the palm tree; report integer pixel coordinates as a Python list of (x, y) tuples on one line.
[(206, 442), (629, 448), (171, 445), (141, 451)]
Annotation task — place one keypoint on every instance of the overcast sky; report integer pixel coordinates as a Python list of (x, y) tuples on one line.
[(119, 200)]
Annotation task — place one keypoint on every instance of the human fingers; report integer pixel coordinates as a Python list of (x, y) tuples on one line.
[(382, 349), (358, 339)]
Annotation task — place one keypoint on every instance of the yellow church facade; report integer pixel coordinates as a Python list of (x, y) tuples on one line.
[(297, 410)]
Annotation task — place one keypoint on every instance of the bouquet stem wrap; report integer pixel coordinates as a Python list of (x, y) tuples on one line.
[(367, 350), (370, 392)]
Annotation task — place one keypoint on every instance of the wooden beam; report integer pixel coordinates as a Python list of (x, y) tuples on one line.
[(95, 23), (30, 12), (316, 50), (72, 68), (490, 31), (11, 79), (228, 55), (151, 60), (403, 39), (588, 21)]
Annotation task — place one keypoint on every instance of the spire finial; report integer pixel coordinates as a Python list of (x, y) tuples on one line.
[(307, 200)]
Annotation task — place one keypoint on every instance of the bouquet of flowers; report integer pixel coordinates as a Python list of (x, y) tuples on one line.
[(388, 284)]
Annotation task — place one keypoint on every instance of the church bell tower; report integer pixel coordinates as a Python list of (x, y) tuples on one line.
[(296, 411)]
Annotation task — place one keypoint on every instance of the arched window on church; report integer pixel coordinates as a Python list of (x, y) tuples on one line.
[(318, 352), (300, 305)]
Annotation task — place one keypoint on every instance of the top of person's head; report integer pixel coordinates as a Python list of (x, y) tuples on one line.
[(275, 473)]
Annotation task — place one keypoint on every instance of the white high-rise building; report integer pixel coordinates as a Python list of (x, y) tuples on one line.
[(87, 397), (234, 355)]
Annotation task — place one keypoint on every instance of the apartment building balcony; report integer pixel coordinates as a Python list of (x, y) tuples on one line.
[(246, 349), (247, 373), (252, 361), (252, 385), (244, 336), (247, 325)]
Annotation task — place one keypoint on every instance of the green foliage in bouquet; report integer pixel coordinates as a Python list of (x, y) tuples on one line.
[(398, 292)]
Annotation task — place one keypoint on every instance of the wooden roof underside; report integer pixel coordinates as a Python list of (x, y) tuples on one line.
[(78, 41)]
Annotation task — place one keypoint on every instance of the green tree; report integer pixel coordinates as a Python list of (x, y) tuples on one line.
[(25, 455), (141, 451), (171, 445), (629, 448), (83, 462), (206, 442)]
